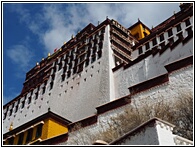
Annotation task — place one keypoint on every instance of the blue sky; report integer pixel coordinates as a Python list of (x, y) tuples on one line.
[(32, 30)]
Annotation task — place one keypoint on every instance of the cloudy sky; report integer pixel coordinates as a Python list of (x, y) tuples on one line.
[(31, 30)]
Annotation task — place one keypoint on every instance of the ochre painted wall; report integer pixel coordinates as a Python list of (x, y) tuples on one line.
[(50, 129), (54, 128), (139, 29)]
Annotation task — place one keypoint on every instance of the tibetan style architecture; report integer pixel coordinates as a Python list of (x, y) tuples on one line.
[(98, 73)]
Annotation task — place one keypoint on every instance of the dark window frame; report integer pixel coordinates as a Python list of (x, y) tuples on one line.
[(147, 46), (20, 139), (39, 131), (161, 37), (29, 135), (170, 32)]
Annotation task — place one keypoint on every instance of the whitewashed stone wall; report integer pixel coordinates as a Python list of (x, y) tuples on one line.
[(79, 96), (149, 68), (161, 135)]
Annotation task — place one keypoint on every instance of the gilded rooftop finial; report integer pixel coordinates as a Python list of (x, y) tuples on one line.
[(11, 126)]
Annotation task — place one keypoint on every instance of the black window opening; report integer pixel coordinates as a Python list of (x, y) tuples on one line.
[(68, 74), (93, 58), (16, 108), (178, 27), (154, 41), (87, 63), (20, 139), (161, 37), (5, 115), (51, 85), (63, 77), (147, 46), (11, 111), (39, 131), (43, 90), (36, 95), (29, 100), (29, 135), (189, 30), (170, 33), (187, 22), (23, 104), (60, 65), (140, 50), (145, 34), (99, 54), (171, 41), (11, 141)]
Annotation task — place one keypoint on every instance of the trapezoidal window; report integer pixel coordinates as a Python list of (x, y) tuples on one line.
[(161, 37), (51, 85), (20, 139), (140, 50), (187, 22), (11, 141), (178, 27), (154, 41), (29, 135), (170, 33), (147, 45), (39, 131)]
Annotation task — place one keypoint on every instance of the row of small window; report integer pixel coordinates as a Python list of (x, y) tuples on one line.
[(25, 137), (29, 99), (170, 33), (80, 66), (76, 62), (91, 41), (77, 57)]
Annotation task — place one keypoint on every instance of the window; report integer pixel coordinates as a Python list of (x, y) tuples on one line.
[(68, 74), (11, 141), (147, 45), (29, 100), (189, 31), (29, 135), (93, 59), (87, 63), (161, 37), (36, 95), (4, 117), (62, 77), (16, 108), (60, 65), (39, 131), (187, 22), (44, 90), (51, 85), (11, 111), (140, 50), (171, 40), (23, 103), (154, 41), (99, 54), (170, 33), (20, 139), (178, 27)]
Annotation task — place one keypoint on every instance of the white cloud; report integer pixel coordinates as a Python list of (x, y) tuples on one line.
[(55, 23), (20, 55)]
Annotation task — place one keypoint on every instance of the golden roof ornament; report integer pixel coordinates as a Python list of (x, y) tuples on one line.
[(11, 126), (48, 54)]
